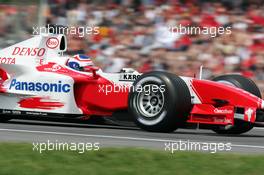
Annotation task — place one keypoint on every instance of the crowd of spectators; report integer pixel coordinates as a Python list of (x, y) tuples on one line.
[(135, 33)]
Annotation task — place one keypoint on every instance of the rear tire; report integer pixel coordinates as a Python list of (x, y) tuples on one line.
[(246, 84), (162, 110)]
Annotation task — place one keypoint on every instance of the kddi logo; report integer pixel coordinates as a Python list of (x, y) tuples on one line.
[(52, 43), (128, 77)]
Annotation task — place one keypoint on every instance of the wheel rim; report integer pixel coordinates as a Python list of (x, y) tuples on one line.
[(150, 103)]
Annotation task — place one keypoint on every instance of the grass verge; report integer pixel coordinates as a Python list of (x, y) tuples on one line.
[(19, 159)]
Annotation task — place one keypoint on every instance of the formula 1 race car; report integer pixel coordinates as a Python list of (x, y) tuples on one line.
[(36, 79)]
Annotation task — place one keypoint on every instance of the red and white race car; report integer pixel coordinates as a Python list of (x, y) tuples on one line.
[(36, 79)]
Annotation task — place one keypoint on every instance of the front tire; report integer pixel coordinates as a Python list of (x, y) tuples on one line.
[(246, 84), (163, 103)]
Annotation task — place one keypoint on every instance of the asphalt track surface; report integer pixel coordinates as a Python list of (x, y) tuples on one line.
[(115, 136)]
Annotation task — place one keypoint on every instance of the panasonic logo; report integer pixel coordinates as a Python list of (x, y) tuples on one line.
[(37, 86)]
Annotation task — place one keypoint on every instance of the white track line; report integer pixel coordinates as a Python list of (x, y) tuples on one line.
[(258, 128), (117, 137)]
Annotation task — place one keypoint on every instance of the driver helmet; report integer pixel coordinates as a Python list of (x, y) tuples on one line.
[(78, 62)]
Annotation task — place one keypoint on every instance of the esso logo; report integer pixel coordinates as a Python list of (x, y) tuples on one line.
[(52, 43)]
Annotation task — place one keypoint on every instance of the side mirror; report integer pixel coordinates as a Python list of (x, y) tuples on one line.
[(92, 69)]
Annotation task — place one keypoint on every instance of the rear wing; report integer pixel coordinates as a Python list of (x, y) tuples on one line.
[(34, 51), (25, 56)]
